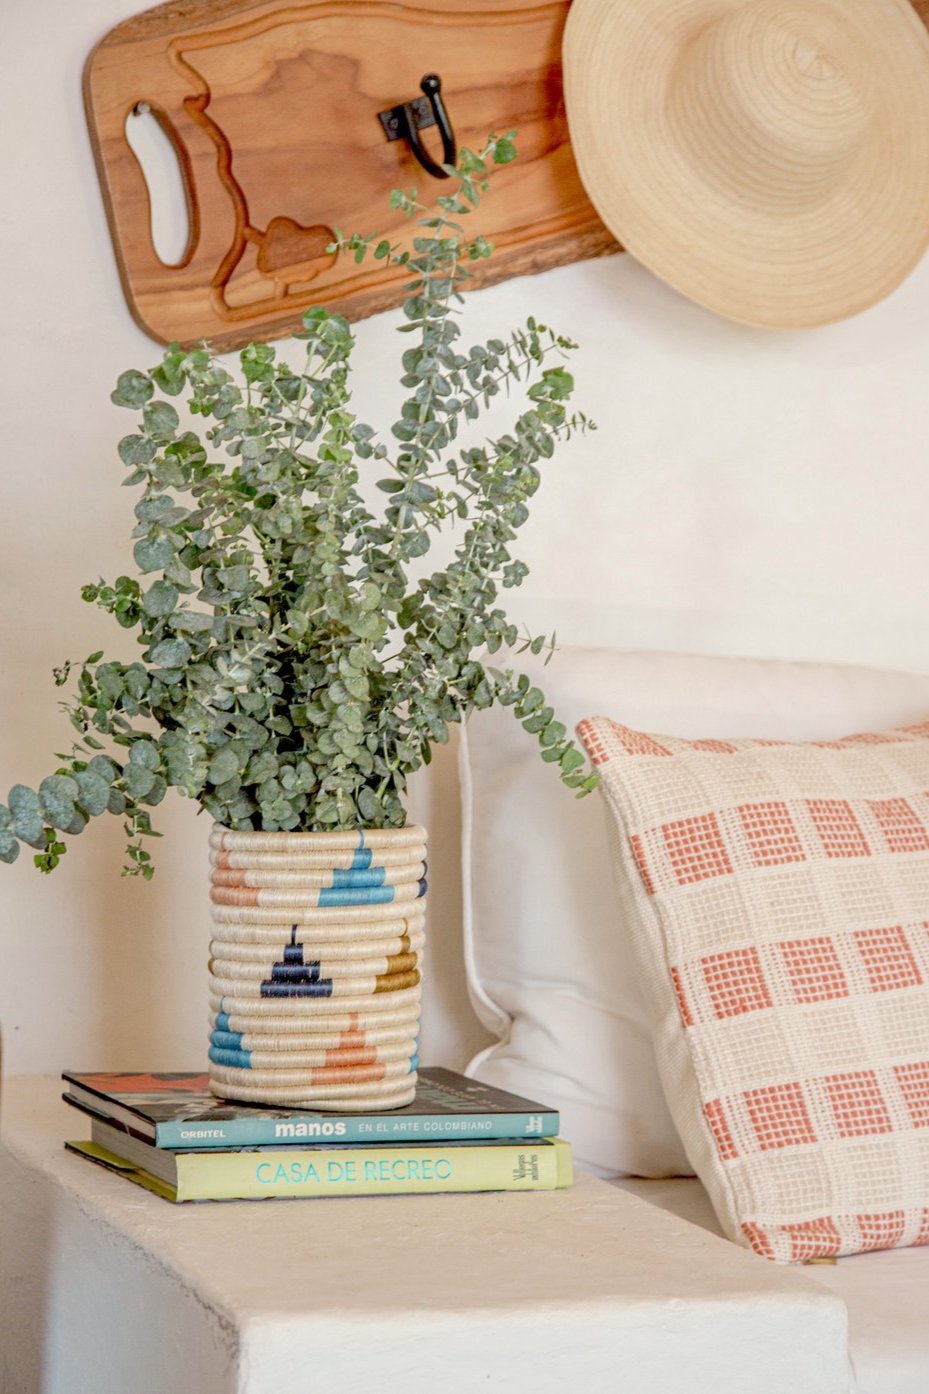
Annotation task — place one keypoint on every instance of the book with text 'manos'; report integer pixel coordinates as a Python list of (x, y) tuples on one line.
[(178, 1111)]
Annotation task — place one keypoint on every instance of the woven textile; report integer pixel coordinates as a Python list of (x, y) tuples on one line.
[(315, 966), (777, 897)]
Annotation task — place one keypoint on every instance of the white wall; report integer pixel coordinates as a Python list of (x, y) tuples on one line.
[(747, 492)]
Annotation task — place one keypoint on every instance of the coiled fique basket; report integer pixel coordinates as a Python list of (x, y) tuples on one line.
[(315, 967)]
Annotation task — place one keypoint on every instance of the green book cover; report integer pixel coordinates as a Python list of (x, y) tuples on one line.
[(326, 1170)]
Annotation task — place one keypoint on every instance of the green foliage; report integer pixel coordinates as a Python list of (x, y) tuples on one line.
[(292, 674)]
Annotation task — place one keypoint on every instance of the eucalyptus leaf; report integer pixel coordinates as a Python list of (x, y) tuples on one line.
[(23, 802), (369, 805), (77, 824), (299, 653), (133, 389), (160, 599), (170, 653), (224, 764), (138, 780), (357, 686), (103, 767), (93, 792), (156, 791), (136, 450), (57, 796), (193, 621), (161, 420), (26, 813), (153, 553), (146, 754)]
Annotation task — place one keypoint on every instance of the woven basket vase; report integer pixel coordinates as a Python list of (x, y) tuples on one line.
[(315, 967)]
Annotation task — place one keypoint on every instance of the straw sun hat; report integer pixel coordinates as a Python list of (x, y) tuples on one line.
[(768, 158)]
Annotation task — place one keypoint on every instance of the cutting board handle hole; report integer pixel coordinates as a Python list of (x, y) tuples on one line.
[(152, 142)]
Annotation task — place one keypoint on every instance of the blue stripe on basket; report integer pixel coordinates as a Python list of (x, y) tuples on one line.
[(226, 1040), (342, 880), (362, 859), (371, 895), (414, 1063), (238, 1059), (222, 1021)]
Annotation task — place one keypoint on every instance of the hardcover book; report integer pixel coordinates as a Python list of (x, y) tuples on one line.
[(327, 1169), (178, 1111)]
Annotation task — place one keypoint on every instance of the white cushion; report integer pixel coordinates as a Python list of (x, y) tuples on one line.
[(547, 966), (886, 1294)]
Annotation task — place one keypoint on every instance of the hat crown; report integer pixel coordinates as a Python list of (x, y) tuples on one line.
[(767, 158), (775, 98)]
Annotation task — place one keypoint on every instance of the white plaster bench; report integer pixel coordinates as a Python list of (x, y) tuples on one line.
[(886, 1295), (105, 1289)]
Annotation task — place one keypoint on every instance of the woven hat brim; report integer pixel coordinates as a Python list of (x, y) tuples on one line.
[(802, 266)]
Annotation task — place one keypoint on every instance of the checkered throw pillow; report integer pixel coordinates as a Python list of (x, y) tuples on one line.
[(777, 896)]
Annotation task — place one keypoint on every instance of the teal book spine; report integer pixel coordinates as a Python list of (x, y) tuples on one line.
[(268, 1132)]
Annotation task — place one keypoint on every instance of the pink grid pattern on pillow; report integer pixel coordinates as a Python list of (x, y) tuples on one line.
[(779, 912)]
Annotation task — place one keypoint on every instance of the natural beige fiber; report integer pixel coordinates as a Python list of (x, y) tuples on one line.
[(767, 158), (383, 1006), (390, 1037), (371, 988), (332, 1102), (261, 878), (339, 917), (341, 1080), (292, 861), (350, 954), (297, 900), (383, 1027), (266, 1056), (345, 976), (359, 932), (314, 970), (374, 839)]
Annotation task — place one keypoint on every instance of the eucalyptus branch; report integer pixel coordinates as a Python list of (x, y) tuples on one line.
[(287, 674)]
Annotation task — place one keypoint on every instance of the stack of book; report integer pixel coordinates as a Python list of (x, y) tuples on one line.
[(166, 1132)]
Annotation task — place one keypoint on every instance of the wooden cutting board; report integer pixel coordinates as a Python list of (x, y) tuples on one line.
[(273, 110)]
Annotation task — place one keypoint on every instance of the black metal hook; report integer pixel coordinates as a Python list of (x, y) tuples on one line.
[(404, 122)]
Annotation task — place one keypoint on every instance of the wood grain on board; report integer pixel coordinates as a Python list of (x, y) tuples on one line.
[(273, 111)]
